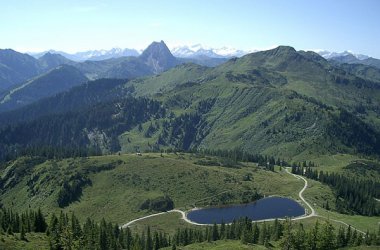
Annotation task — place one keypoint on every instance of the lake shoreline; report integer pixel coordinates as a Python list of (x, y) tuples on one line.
[(271, 207)]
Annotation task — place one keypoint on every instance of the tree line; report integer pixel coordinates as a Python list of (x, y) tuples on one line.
[(30, 221), (353, 195), (75, 133), (66, 232), (236, 155), (187, 130)]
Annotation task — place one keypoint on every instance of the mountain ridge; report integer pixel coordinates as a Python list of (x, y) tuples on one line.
[(16, 67), (92, 55), (278, 102), (56, 80)]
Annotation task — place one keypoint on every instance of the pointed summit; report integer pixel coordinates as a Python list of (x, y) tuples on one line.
[(158, 57)]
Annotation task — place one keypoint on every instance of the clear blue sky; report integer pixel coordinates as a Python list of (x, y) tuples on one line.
[(76, 25)]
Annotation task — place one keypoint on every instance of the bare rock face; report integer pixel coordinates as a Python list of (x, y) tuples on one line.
[(158, 57)]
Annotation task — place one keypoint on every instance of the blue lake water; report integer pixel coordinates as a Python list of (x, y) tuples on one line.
[(267, 208)]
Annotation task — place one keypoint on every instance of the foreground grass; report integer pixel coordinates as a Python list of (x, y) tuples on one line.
[(362, 223), (34, 241), (219, 245)]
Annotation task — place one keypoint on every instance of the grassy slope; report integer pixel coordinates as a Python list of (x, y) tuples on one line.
[(57, 80), (117, 194), (236, 118), (170, 79), (253, 96)]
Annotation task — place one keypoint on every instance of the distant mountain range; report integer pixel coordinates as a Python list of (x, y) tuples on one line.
[(92, 55), (17, 68), (350, 58), (329, 55), (278, 102), (25, 79), (184, 51), (198, 50)]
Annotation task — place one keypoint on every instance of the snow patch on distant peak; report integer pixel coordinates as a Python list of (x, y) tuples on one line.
[(331, 54), (196, 50), (95, 55)]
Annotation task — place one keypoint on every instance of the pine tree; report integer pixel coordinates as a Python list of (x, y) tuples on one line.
[(327, 207), (149, 241), (299, 238), (286, 241), (276, 230), (66, 239), (54, 233), (215, 233), (263, 234), (359, 240), (255, 233), (327, 237), (128, 238), (22, 232), (157, 244), (223, 230), (348, 236), (103, 239), (312, 237), (10, 230), (39, 222), (208, 234), (354, 238), (341, 238), (247, 236), (75, 227)]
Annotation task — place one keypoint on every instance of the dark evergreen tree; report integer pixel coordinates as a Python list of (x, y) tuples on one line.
[(149, 241), (215, 233)]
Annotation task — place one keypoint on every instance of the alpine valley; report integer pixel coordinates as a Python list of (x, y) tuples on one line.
[(111, 149)]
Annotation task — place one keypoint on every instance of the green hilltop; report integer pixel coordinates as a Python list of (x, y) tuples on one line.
[(280, 102)]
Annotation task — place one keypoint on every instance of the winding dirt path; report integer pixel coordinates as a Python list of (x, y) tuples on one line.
[(143, 218), (312, 211), (183, 214)]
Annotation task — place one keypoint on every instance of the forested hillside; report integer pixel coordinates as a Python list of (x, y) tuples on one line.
[(278, 102)]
